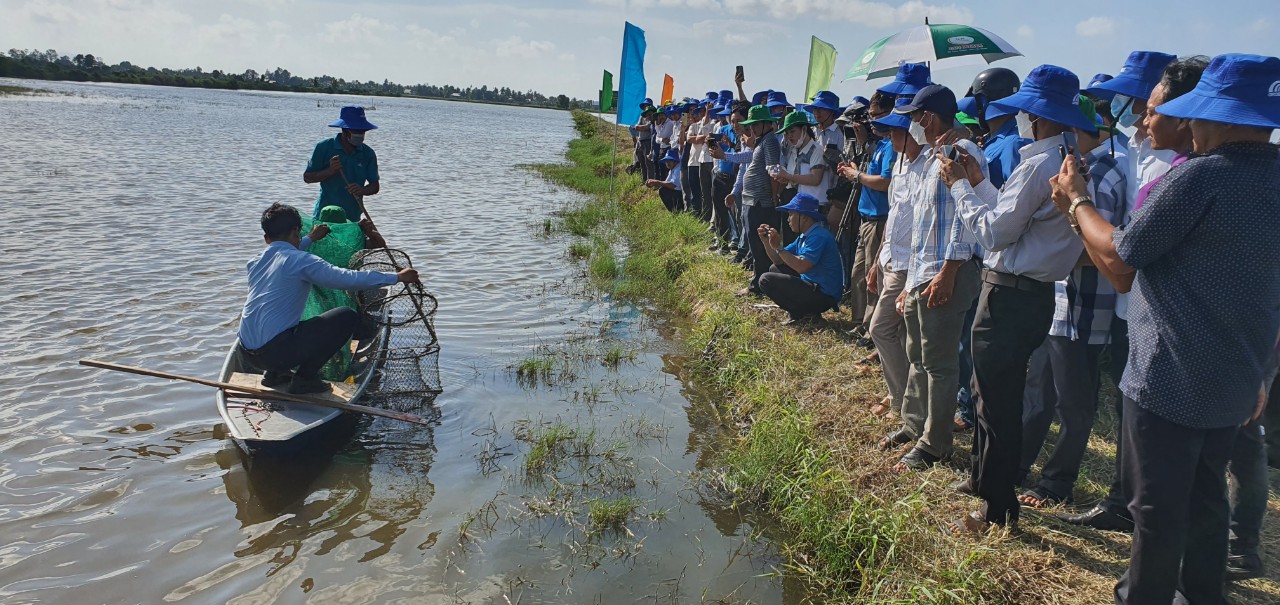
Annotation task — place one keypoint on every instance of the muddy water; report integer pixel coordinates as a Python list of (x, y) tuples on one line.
[(130, 214)]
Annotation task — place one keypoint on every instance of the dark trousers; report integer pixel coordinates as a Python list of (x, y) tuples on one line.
[(1248, 469), (1009, 325), (655, 156), (722, 221), (1271, 418), (706, 206), (308, 345), (644, 149), (965, 397), (670, 198), (1117, 500), (757, 216), (1062, 380), (796, 296), (1180, 512)]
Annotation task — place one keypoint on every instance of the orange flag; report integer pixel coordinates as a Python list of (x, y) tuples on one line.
[(668, 87)]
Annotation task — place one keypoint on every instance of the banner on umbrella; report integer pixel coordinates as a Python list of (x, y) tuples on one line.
[(631, 86), (606, 92), (822, 66), (867, 60), (940, 45), (668, 89)]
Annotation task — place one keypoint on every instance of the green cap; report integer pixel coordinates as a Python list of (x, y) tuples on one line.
[(795, 118), (1091, 112), (333, 214), (966, 119), (759, 113)]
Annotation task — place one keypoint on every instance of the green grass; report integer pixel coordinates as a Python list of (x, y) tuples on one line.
[(16, 90), (580, 250), (550, 446), (538, 366), (614, 355), (613, 513)]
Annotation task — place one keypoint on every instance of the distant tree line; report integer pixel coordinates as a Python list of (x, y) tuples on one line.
[(49, 65)]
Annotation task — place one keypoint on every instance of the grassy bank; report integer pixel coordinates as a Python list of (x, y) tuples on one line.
[(856, 531)]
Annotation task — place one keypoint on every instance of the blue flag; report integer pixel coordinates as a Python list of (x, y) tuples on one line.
[(631, 86)]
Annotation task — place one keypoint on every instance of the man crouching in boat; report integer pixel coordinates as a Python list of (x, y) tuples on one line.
[(271, 337)]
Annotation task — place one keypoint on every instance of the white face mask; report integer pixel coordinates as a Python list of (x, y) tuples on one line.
[(355, 138), (917, 132), (1024, 126)]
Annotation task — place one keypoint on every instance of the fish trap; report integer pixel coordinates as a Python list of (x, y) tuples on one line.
[(409, 357)]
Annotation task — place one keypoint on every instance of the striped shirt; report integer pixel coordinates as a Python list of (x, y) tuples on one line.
[(800, 162), (1085, 301), (938, 233), (895, 252), (757, 185)]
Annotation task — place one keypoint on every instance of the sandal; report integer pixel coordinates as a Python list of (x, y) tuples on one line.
[(971, 524), (1039, 497), (882, 408), (895, 439), (916, 460)]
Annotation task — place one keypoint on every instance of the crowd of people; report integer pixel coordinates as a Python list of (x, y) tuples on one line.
[(995, 246)]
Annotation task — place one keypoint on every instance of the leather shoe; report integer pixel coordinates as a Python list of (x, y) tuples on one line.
[(1244, 567), (965, 486), (1100, 518)]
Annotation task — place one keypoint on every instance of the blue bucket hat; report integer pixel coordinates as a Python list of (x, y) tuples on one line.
[(895, 119), (826, 100), (1092, 89), (726, 96), (967, 106), (724, 110), (1235, 89), (672, 156), (777, 98), (712, 96), (647, 102), (760, 97), (1052, 93), (1140, 74), (352, 117), (910, 79), (805, 204)]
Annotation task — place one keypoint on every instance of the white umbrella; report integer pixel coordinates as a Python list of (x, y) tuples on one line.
[(958, 45)]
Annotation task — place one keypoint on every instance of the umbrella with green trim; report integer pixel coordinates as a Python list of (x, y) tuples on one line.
[(957, 44)]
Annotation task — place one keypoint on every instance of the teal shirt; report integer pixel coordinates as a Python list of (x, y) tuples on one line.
[(360, 166)]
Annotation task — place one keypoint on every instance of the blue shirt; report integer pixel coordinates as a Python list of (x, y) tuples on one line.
[(876, 203), (818, 246), (1001, 151), (1205, 307), (728, 139), (360, 167), (280, 278)]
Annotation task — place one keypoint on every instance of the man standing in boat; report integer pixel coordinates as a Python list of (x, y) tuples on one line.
[(271, 335), (344, 166)]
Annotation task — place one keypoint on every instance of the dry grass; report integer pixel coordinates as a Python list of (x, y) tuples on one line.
[(857, 531)]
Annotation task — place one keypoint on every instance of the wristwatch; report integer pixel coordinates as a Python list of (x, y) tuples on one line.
[(1071, 212), (779, 250)]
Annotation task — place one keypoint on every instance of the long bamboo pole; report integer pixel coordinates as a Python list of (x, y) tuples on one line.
[(264, 393)]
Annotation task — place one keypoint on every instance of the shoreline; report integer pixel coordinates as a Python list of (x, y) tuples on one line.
[(805, 449)]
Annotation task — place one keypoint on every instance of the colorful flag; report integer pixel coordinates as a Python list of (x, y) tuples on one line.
[(606, 92), (631, 86), (822, 66), (668, 89)]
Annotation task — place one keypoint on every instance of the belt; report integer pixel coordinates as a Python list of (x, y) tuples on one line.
[(872, 219), (1017, 282)]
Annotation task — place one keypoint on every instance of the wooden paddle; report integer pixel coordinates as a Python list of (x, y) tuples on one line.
[(263, 393)]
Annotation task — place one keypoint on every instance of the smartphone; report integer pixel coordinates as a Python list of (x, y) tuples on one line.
[(950, 152), (1072, 146), (713, 138), (738, 77)]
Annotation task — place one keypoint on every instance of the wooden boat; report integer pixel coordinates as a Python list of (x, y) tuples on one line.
[(262, 426)]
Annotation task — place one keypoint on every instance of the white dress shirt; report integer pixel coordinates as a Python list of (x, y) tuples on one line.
[(1018, 225), (895, 252)]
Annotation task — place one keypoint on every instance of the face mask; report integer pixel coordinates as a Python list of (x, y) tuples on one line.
[(1125, 116), (917, 133), (1025, 129), (355, 138)]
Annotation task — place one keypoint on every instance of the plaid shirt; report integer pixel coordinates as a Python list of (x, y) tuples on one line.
[(1086, 301), (938, 235)]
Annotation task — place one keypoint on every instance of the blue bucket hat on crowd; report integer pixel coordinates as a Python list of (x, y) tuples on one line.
[(1092, 89), (760, 97), (647, 102), (826, 99), (805, 204), (352, 117), (1052, 93), (777, 98), (967, 106), (1235, 89), (724, 110), (672, 156), (1140, 74), (712, 96), (894, 119), (910, 79), (726, 96)]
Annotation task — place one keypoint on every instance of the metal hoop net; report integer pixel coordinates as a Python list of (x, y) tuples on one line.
[(409, 357)]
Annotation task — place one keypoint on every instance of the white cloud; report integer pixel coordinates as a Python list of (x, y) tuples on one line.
[(515, 46), (356, 30), (1260, 26), (1096, 26), (1024, 31)]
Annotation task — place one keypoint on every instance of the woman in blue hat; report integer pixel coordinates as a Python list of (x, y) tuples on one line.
[(345, 167)]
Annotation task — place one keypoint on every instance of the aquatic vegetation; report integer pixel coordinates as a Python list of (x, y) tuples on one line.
[(611, 514), (579, 250)]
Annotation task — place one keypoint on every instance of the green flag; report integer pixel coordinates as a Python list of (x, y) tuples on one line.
[(822, 65), (606, 92)]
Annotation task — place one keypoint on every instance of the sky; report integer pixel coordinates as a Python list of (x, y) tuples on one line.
[(561, 46)]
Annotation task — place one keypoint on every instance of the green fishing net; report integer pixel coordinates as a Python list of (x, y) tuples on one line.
[(343, 241)]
